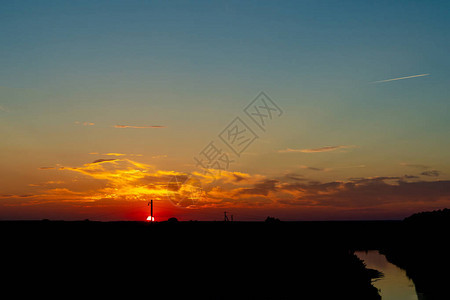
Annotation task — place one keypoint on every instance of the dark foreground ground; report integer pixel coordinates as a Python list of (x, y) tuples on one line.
[(185, 260), (206, 260), (421, 246)]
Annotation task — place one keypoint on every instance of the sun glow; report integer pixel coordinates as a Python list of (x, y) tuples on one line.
[(150, 218)]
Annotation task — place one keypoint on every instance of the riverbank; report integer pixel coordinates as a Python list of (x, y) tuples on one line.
[(393, 284), (420, 246)]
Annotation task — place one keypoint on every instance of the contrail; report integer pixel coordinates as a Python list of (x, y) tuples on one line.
[(400, 78)]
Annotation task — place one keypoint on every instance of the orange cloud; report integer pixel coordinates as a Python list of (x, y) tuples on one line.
[(121, 180), (127, 179), (315, 168), (114, 154), (138, 127), (84, 123), (317, 150)]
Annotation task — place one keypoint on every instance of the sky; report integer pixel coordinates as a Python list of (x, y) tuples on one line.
[(300, 110)]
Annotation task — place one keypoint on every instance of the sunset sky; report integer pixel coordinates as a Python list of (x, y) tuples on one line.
[(300, 110)]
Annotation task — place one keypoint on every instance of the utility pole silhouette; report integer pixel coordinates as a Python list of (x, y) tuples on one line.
[(151, 210), (225, 217)]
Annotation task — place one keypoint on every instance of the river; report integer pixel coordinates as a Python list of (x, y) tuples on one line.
[(394, 285)]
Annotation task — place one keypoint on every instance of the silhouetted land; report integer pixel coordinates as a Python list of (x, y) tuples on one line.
[(193, 260), (220, 260), (420, 245)]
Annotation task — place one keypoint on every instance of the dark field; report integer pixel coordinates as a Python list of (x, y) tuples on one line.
[(201, 260)]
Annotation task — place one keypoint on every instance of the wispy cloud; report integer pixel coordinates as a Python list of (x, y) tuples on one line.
[(47, 183), (431, 173), (289, 150), (84, 123), (351, 167), (416, 166), (317, 150), (262, 188), (138, 127), (316, 169), (101, 160), (114, 154), (400, 78)]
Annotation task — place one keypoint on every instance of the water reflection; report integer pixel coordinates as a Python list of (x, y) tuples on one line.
[(394, 285)]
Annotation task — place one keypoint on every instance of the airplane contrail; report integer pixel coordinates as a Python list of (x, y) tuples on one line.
[(400, 78)]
